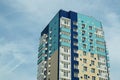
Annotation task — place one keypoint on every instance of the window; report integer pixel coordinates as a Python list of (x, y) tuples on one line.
[(74, 29), (65, 57), (100, 42), (80, 59), (99, 32), (65, 73), (99, 36), (91, 41), (91, 48), (85, 76), (66, 50), (90, 27), (65, 21), (75, 36), (92, 54), (75, 58), (83, 26), (83, 39), (75, 74), (92, 70), (49, 79), (83, 32), (49, 72), (75, 66), (84, 53), (100, 49), (85, 68), (65, 65), (82, 21), (65, 33), (75, 43), (75, 51), (92, 62), (49, 63), (84, 46), (84, 60), (93, 78), (75, 23), (90, 34)]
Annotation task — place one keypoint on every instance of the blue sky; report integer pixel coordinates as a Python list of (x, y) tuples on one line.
[(21, 22)]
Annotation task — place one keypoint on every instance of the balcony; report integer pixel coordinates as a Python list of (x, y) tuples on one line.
[(40, 60), (103, 68), (102, 61), (41, 53), (75, 55), (75, 78), (76, 62), (75, 27), (75, 51), (75, 43), (75, 47), (108, 58), (83, 32), (76, 70), (108, 65), (75, 30), (103, 75), (75, 40), (75, 36), (65, 78), (75, 33)]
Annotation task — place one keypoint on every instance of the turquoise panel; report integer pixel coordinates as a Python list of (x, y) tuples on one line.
[(41, 59), (108, 65), (65, 36), (108, 58), (65, 29), (65, 44), (54, 27), (89, 21), (40, 53)]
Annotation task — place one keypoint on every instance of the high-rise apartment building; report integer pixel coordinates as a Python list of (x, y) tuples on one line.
[(72, 47)]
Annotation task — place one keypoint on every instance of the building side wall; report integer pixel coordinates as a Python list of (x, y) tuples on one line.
[(52, 68)]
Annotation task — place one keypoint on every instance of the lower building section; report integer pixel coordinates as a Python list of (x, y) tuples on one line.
[(91, 66), (52, 68)]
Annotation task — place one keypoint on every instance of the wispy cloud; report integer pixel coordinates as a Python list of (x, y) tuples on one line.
[(112, 36), (14, 55)]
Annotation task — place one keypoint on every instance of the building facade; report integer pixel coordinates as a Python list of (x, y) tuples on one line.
[(72, 47)]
